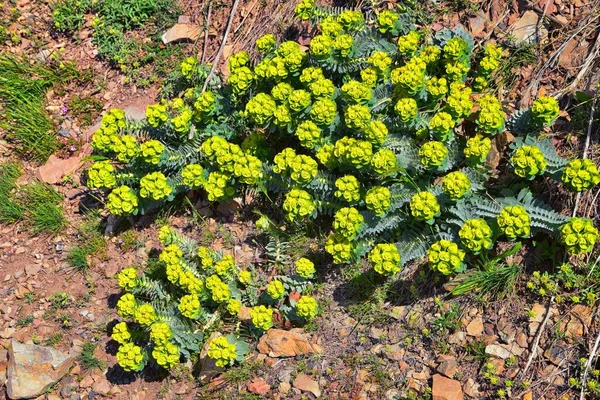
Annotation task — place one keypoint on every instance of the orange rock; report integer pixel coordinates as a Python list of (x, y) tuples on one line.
[(259, 386), (281, 343), (446, 389)]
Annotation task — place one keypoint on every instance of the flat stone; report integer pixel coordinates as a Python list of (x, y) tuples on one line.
[(446, 389), (56, 168), (259, 386), (503, 351), (471, 389), (179, 32), (281, 343), (557, 353), (448, 368), (306, 384), (32, 369), (475, 327), (525, 29), (102, 387)]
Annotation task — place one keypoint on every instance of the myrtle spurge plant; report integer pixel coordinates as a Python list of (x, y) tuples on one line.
[(169, 307), (378, 134)]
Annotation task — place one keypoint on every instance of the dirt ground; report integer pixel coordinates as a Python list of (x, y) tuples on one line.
[(371, 350)]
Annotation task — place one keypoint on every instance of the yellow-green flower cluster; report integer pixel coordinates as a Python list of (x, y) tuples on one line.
[(409, 43), (369, 76), (308, 133), (459, 102), (298, 203), (165, 235), (234, 307), (151, 151), (357, 153), (456, 184), (120, 333), (130, 357), (343, 45), (378, 199), (223, 352), (101, 175), (579, 236), (384, 161), (490, 119), (406, 109), (238, 60), (219, 289), (166, 356), (127, 279), (299, 100), (376, 132), (224, 153), (340, 248), (325, 155), (357, 116), (457, 70), (385, 259), (206, 257), (455, 48), (424, 206), (125, 147), (156, 115), (305, 9), (245, 277), (347, 221), (307, 307), (437, 87), (248, 169), (442, 125), (292, 56), (189, 306), (330, 27), (514, 222), (281, 91), (323, 111), (386, 21), (545, 109), (491, 59), (102, 139), (275, 289), (320, 46), (262, 317), (477, 149), (581, 174), (193, 175), (160, 333), (476, 235), (300, 168), (260, 108), (218, 186), (381, 62), (356, 92), (430, 54), (144, 314), (188, 67), (241, 80), (323, 88), (433, 154), (305, 268), (528, 162), (171, 254), (310, 75), (445, 257), (265, 43), (126, 305), (206, 103), (225, 266), (282, 116), (348, 188), (155, 186), (351, 20), (122, 201), (411, 76)]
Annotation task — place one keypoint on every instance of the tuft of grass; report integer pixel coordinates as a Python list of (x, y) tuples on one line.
[(25, 321), (77, 258), (85, 109), (37, 204), (23, 87), (87, 359), (91, 242)]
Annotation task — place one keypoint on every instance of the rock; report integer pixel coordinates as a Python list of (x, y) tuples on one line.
[(557, 353), (472, 389), (135, 113), (457, 338), (522, 340), (181, 32), (102, 387), (281, 343), (3, 366), (259, 386), (477, 24), (446, 389), (580, 318), (448, 367), (503, 351), (376, 333), (399, 312), (284, 388), (33, 269), (392, 394), (306, 384), (525, 29), (56, 168), (475, 327), (528, 396), (32, 369), (539, 312)]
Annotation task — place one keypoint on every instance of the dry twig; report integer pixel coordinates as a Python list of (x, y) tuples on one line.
[(587, 146), (206, 29), (536, 342), (587, 367)]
